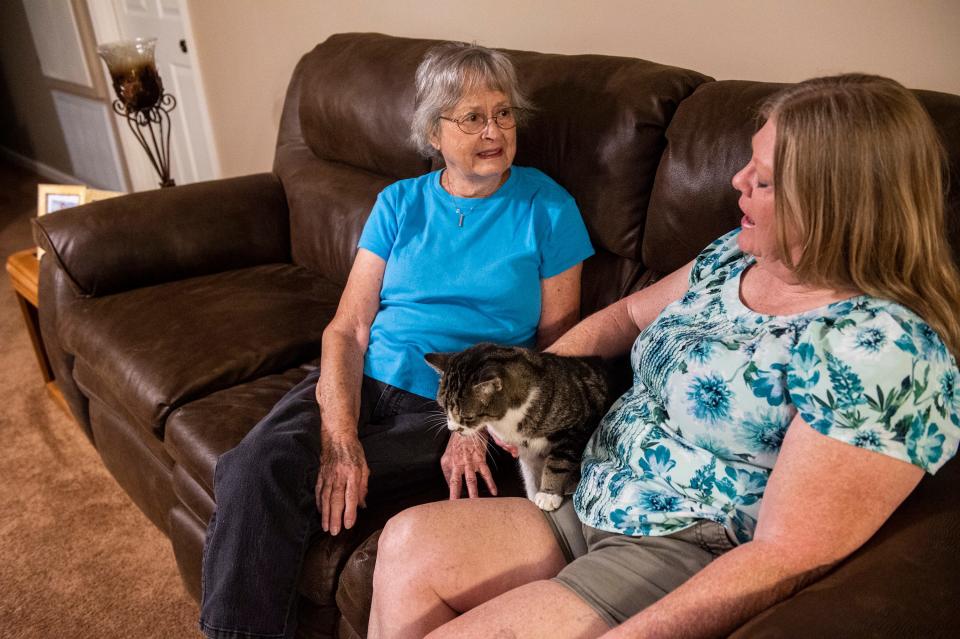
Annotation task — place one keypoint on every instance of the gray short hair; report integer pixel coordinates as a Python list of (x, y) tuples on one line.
[(451, 70)]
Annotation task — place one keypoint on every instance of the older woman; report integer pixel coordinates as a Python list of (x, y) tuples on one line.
[(792, 385), (479, 251)]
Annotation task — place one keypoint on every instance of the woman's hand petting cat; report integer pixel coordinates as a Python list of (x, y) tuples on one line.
[(464, 458), (342, 482)]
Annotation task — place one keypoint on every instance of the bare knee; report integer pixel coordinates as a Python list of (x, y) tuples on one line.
[(404, 602), (403, 535)]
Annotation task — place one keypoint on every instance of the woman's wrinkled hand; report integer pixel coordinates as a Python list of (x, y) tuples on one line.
[(464, 458), (341, 483)]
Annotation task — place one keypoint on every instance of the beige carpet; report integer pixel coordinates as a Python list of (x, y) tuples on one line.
[(77, 558)]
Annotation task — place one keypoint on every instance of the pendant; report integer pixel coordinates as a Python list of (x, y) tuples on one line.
[(460, 223)]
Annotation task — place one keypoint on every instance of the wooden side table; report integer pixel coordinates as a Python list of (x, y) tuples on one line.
[(24, 270)]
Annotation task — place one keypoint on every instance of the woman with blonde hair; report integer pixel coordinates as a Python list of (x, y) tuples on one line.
[(792, 384), (869, 218)]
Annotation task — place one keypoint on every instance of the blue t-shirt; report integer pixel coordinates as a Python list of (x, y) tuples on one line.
[(447, 285), (716, 385)]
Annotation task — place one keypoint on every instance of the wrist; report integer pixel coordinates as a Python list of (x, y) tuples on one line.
[(342, 435)]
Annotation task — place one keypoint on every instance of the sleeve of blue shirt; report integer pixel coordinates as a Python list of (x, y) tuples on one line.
[(568, 242), (380, 230)]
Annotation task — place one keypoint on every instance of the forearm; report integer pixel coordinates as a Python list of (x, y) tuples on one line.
[(610, 332), (341, 376), (607, 333), (560, 305), (732, 589), (547, 335)]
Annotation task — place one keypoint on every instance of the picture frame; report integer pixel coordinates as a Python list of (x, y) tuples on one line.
[(56, 197)]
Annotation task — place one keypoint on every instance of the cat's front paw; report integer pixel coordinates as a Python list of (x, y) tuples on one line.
[(548, 502)]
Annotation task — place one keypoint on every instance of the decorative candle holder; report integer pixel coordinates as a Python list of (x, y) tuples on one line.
[(141, 100)]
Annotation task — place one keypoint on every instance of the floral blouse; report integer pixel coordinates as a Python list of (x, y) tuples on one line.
[(715, 386)]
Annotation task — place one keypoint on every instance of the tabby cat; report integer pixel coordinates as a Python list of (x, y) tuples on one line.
[(547, 405)]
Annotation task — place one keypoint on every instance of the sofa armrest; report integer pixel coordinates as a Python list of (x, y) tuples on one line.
[(169, 234), (904, 582)]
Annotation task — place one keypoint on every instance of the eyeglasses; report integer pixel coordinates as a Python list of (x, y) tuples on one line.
[(473, 123)]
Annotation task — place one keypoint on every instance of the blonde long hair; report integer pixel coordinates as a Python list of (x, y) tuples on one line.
[(859, 182)]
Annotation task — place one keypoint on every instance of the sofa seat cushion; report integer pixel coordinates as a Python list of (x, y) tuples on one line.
[(202, 430), (154, 349)]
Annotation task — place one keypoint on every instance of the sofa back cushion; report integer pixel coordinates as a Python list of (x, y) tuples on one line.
[(708, 141), (598, 130)]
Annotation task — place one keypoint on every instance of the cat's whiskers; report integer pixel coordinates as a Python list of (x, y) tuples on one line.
[(493, 458), (437, 423), (470, 433), (430, 402)]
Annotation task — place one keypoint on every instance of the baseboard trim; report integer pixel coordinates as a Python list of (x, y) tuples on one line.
[(44, 170)]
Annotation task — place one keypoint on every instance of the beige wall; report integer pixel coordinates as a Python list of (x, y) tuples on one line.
[(248, 48)]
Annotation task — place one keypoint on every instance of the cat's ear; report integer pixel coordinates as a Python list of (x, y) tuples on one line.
[(438, 361), (487, 388)]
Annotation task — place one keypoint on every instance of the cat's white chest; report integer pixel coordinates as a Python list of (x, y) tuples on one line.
[(532, 452), (507, 429)]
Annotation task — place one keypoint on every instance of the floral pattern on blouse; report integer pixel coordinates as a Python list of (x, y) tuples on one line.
[(716, 385)]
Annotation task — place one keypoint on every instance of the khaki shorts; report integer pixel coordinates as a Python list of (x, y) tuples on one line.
[(618, 575)]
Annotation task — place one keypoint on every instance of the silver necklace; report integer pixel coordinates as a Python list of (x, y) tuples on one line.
[(461, 213), (460, 210)]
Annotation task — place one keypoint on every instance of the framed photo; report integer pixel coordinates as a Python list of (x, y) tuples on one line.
[(56, 197)]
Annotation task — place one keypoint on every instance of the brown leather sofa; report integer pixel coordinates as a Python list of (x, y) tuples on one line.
[(176, 318)]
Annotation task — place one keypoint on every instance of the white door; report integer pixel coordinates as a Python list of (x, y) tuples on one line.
[(193, 156)]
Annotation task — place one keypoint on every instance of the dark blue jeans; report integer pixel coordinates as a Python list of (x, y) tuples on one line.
[(266, 515)]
